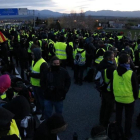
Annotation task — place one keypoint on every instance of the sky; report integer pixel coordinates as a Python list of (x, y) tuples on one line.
[(67, 6)]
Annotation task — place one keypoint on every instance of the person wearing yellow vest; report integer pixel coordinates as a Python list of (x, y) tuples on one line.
[(107, 103), (37, 68), (51, 48), (115, 50), (99, 55), (79, 64), (60, 51), (125, 89), (137, 59), (106, 67), (8, 127)]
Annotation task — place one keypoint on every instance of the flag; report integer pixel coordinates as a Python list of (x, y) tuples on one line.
[(2, 37)]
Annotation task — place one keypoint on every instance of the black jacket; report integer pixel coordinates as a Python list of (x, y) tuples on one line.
[(55, 84), (105, 64), (134, 81)]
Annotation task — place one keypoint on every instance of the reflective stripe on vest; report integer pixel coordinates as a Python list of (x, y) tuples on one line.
[(99, 59), (60, 50), (122, 87), (99, 49), (109, 46), (36, 69), (14, 129)]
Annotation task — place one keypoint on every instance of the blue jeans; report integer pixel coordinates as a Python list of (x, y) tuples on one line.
[(49, 107), (39, 98)]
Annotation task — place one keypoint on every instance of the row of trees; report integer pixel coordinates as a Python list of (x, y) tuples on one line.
[(72, 20)]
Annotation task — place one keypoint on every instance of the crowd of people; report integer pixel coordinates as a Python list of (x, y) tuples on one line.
[(34, 79)]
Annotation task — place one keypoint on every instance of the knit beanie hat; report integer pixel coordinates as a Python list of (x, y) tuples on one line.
[(56, 123), (5, 83)]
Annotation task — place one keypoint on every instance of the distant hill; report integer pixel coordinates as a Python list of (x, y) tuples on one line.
[(113, 13), (102, 13)]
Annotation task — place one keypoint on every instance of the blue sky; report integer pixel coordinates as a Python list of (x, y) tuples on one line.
[(66, 6)]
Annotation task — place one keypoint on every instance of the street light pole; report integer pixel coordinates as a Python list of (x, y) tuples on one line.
[(34, 17)]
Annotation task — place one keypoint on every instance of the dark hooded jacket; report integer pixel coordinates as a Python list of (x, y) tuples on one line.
[(37, 55), (134, 81)]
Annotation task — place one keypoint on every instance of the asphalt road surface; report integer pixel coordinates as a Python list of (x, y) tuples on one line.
[(81, 111)]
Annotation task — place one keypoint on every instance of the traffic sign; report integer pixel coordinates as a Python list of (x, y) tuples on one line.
[(6, 12), (22, 11)]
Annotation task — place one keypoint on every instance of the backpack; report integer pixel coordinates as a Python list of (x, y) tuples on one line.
[(78, 58), (113, 132), (27, 127)]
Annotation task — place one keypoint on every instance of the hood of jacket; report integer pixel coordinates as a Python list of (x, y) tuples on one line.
[(121, 70), (37, 53)]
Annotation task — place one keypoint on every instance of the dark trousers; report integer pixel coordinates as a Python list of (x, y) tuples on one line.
[(78, 73), (107, 106), (30, 59), (39, 98), (129, 110), (23, 66)]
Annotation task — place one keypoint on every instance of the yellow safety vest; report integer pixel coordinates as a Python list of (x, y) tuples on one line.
[(9, 44), (119, 37), (99, 59), (30, 45), (83, 55), (60, 50), (3, 96), (122, 87), (14, 129), (51, 42), (36, 69), (116, 60), (106, 80), (40, 43), (71, 44), (18, 38)]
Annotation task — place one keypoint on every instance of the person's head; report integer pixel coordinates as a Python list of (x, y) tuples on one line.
[(36, 54), (124, 59), (56, 123), (97, 130), (5, 83), (5, 121), (109, 56), (55, 63), (115, 50)]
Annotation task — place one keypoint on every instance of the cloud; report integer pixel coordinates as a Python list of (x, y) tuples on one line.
[(69, 5), (34, 4)]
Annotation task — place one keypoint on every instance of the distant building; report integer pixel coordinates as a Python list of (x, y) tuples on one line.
[(104, 24), (117, 24)]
